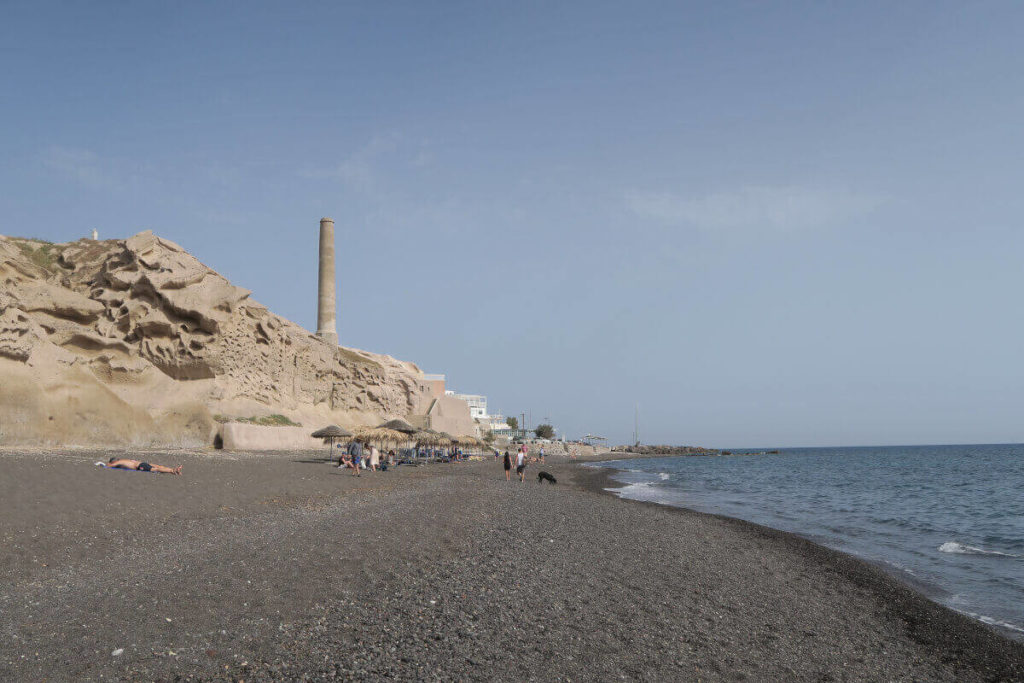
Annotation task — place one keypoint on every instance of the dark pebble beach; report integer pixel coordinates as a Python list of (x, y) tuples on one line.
[(281, 567)]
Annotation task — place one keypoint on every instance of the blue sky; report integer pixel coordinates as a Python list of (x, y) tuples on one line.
[(788, 224)]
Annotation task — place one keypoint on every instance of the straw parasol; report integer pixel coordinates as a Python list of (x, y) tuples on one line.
[(399, 425), (427, 437), (381, 435), (445, 439), (330, 433)]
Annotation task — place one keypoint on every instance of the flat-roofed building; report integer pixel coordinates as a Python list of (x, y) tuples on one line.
[(495, 423), (436, 384)]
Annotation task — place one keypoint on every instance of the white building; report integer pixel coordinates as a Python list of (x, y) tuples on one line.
[(494, 423), (486, 423)]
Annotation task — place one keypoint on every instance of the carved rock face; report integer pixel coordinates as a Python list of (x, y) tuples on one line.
[(18, 334), (155, 327)]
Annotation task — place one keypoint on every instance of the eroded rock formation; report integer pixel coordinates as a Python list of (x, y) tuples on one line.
[(136, 341)]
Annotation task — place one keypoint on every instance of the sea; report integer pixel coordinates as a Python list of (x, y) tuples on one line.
[(948, 520)]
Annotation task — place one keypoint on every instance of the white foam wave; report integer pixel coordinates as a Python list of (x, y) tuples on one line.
[(638, 490), (901, 567), (963, 549), (664, 476), (996, 622), (647, 491)]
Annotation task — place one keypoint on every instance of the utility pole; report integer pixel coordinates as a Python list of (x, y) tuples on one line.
[(636, 425)]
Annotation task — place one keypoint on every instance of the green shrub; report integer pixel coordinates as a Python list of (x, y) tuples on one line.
[(40, 252), (274, 420)]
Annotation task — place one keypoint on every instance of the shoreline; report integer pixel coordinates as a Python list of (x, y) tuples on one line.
[(277, 566), (923, 615)]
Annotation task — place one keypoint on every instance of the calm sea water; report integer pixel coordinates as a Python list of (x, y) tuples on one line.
[(948, 519)]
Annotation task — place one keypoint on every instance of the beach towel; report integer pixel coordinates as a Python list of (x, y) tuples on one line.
[(116, 469)]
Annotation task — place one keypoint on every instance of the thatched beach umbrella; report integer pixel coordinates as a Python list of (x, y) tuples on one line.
[(330, 433), (399, 425), (426, 437), (381, 435)]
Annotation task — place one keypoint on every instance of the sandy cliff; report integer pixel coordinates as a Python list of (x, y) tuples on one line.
[(137, 342)]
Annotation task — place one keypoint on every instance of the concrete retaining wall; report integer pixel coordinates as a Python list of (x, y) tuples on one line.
[(450, 414), (235, 436)]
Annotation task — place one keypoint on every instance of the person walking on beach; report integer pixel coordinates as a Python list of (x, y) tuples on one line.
[(126, 464), (521, 464), (357, 457), (508, 466), (350, 452)]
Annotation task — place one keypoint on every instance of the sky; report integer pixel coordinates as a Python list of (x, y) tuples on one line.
[(765, 224)]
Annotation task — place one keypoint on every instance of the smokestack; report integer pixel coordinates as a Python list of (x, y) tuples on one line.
[(326, 327)]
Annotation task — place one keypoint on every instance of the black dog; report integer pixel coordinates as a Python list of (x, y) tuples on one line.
[(541, 476)]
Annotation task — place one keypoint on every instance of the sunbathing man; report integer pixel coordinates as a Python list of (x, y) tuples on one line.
[(126, 464)]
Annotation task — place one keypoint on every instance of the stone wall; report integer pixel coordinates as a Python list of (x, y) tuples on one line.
[(235, 436)]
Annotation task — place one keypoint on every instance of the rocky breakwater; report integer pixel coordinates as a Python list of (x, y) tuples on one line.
[(666, 450), (136, 342)]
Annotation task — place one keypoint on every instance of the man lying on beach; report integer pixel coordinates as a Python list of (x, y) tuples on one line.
[(126, 464)]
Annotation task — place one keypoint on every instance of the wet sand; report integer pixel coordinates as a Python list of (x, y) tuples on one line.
[(280, 567)]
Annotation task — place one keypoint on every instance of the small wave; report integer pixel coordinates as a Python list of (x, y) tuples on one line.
[(647, 491), (996, 622), (901, 567), (638, 490), (962, 549), (664, 476)]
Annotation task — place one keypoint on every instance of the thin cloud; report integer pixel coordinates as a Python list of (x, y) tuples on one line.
[(421, 159), (359, 171), (754, 209), (111, 174), (81, 165)]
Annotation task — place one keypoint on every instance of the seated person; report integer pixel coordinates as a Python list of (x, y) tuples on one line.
[(127, 464)]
